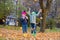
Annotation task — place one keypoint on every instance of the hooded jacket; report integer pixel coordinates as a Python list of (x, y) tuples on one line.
[(33, 16)]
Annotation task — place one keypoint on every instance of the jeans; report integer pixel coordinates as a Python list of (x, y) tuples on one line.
[(33, 26), (24, 28)]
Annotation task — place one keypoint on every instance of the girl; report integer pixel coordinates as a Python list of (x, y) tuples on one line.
[(24, 22)]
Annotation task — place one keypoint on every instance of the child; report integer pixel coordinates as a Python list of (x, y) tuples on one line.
[(24, 22), (33, 15)]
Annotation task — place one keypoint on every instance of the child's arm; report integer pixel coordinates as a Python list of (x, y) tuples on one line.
[(26, 17), (28, 11), (39, 12)]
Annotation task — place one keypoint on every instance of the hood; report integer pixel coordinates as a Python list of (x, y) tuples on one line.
[(33, 13)]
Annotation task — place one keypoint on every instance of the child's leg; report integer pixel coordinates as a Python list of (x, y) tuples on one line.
[(32, 27), (31, 30), (23, 28), (26, 28)]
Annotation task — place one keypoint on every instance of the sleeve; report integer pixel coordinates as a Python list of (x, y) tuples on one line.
[(39, 12), (21, 20), (26, 17), (28, 12)]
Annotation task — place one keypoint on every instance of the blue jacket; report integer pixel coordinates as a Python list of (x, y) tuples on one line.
[(23, 21)]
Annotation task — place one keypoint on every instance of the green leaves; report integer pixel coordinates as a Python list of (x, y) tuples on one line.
[(4, 8)]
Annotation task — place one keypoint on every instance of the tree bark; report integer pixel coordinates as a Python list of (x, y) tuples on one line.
[(44, 13)]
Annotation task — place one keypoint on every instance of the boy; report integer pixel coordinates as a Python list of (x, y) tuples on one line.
[(33, 19)]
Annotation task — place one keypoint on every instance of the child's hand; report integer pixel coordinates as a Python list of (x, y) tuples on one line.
[(26, 17), (29, 9), (40, 10)]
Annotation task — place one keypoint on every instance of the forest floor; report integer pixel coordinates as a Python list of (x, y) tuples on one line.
[(15, 33)]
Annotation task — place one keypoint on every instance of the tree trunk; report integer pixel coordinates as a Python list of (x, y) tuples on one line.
[(44, 13)]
